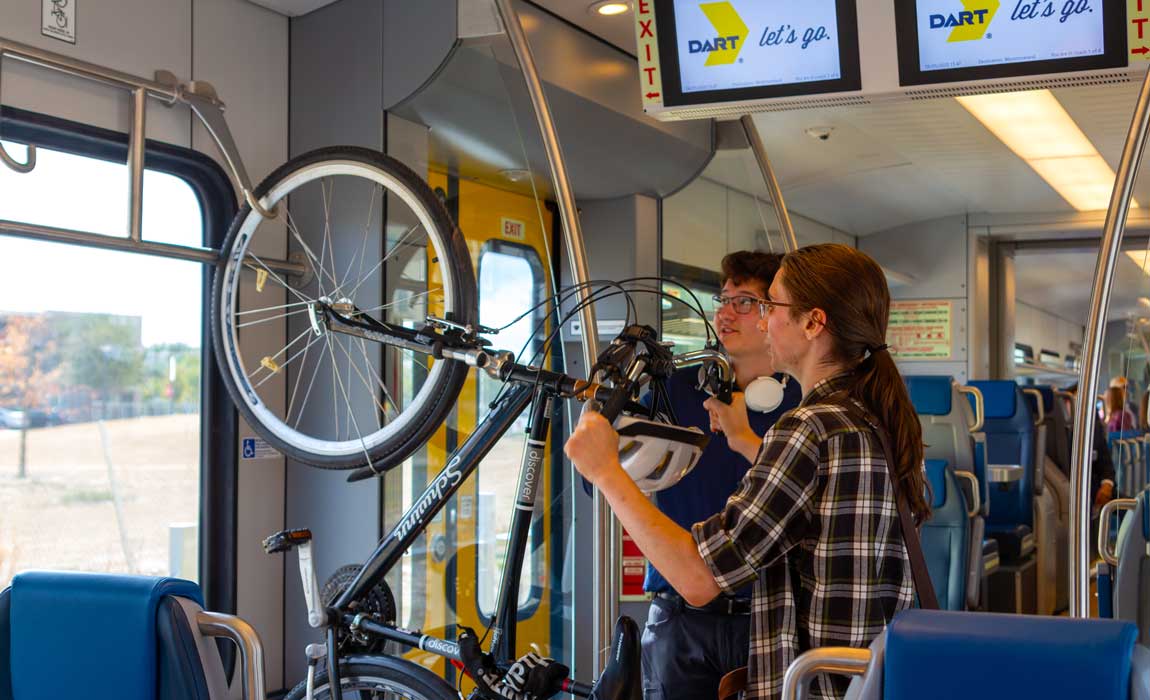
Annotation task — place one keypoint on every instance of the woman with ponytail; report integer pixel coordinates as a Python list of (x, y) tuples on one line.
[(815, 524)]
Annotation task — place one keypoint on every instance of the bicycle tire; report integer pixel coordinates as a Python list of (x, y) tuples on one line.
[(415, 422), (379, 676)]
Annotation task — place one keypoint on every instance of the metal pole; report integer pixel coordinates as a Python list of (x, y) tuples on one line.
[(789, 241), (606, 605), (1115, 225), (136, 164)]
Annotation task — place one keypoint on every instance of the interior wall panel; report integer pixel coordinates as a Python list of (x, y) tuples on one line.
[(137, 37)]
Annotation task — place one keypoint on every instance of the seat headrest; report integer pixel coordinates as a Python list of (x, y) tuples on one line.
[(101, 626), (936, 474), (931, 395), (999, 396), (1025, 655)]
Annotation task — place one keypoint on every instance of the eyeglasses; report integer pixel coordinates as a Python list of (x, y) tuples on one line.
[(766, 304), (741, 304)]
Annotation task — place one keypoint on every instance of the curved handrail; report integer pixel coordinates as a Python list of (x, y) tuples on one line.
[(26, 167), (1108, 510), (979, 406), (975, 488), (247, 640), (841, 660), (1037, 402)]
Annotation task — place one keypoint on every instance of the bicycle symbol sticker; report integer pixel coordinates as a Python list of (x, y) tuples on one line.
[(59, 19)]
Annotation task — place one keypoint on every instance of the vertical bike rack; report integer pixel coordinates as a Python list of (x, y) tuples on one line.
[(205, 104)]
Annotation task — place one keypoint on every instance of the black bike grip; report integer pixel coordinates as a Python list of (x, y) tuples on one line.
[(614, 405)]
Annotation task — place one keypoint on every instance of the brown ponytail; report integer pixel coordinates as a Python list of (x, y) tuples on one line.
[(850, 288)]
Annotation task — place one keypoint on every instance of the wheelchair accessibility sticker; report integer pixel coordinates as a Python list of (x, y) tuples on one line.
[(258, 448)]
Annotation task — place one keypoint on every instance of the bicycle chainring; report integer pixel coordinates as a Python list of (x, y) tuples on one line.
[(378, 604)]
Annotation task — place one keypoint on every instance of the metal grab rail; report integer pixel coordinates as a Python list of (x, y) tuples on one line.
[(205, 104), (1113, 229), (247, 640), (1104, 516), (604, 571), (979, 406), (844, 661)]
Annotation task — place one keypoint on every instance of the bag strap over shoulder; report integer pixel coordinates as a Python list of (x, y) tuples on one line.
[(923, 586)]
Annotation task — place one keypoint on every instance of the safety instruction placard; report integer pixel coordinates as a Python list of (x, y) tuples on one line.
[(646, 42), (920, 330), (258, 448), (1137, 33), (634, 569)]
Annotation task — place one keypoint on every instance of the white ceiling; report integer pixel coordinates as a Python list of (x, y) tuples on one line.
[(895, 163)]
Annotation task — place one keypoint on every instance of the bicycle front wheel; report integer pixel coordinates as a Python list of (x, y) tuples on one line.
[(379, 678), (374, 241)]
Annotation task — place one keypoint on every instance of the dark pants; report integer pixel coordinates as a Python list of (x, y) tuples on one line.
[(686, 652)]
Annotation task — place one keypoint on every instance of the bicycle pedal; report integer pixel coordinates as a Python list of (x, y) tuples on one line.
[(286, 540)]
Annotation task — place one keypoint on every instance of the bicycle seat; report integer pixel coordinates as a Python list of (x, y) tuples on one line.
[(621, 679)]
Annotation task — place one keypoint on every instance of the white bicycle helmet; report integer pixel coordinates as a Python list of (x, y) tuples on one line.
[(657, 454)]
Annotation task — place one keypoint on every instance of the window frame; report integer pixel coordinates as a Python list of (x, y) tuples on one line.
[(218, 418), (539, 293)]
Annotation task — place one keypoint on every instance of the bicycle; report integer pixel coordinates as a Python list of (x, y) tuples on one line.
[(355, 421)]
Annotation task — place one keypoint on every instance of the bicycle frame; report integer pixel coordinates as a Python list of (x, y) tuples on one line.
[(461, 465)]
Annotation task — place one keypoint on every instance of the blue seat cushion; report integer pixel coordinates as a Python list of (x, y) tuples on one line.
[(999, 397), (931, 396), (181, 672), (1015, 542), (5, 644), (936, 476), (929, 653), (99, 627)]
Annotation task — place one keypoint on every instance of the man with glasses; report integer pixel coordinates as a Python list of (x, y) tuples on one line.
[(687, 650)]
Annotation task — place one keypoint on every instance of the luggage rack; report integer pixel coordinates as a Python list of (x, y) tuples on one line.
[(198, 95)]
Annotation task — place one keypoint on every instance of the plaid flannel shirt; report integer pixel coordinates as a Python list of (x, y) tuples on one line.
[(814, 524)]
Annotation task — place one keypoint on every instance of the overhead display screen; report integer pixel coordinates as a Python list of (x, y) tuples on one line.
[(955, 40), (751, 49)]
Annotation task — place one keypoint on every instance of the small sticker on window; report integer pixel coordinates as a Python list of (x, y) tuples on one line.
[(258, 448), (59, 19)]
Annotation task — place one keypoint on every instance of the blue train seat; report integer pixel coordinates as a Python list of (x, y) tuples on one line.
[(1057, 455), (123, 637), (946, 536), (947, 421), (1050, 515), (1009, 429), (931, 653), (1127, 452), (1130, 565)]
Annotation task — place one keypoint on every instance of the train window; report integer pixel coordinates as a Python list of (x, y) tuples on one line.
[(100, 465), (511, 284)]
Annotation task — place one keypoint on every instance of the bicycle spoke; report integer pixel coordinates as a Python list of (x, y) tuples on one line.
[(362, 254), (277, 278), (310, 384), (271, 318), (379, 379), (350, 413), (289, 361), (398, 301), (298, 377), (370, 389), (312, 260), (329, 195), (273, 357), (382, 261), (273, 308)]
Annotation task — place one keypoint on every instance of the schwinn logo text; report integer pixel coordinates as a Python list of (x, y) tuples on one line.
[(434, 494)]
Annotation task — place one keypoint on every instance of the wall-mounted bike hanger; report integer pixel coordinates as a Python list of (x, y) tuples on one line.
[(199, 96)]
